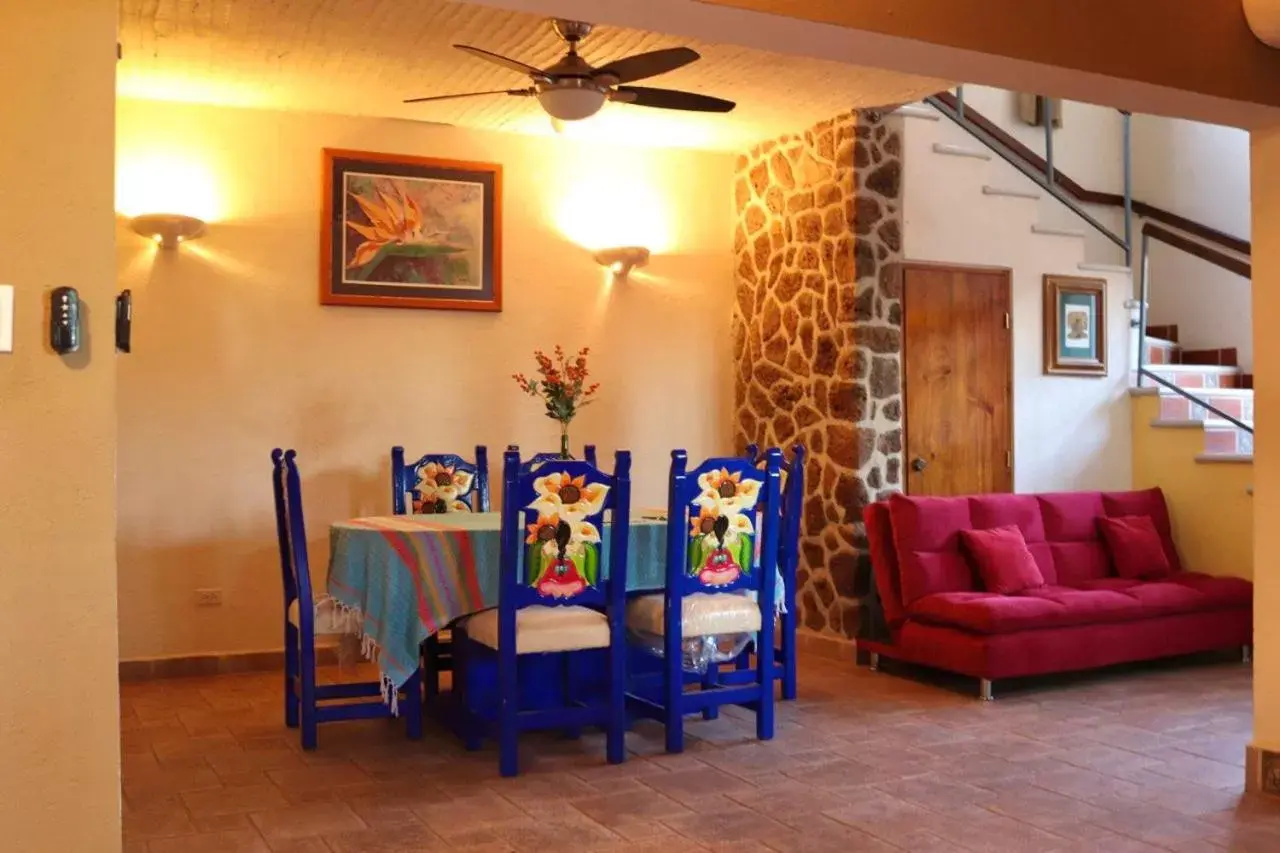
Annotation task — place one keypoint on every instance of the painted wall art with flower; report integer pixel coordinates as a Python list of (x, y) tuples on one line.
[(722, 532), (563, 539), (410, 232)]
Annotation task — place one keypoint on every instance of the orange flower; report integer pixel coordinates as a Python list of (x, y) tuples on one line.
[(391, 220), (543, 530)]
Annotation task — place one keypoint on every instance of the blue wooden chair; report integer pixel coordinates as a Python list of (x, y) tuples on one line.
[(440, 482), (305, 702), (714, 515), (588, 453), (559, 595), (788, 563), (436, 483)]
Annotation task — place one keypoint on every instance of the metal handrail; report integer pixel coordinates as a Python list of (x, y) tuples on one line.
[(1032, 173), (1144, 284), (1178, 389), (1046, 180)]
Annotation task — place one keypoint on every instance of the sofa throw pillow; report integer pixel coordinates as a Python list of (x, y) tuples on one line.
[(1136, 549), (1002, 559)]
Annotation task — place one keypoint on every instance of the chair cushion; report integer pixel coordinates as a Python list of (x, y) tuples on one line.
[(545, 629), (1135, 547), (702, 614), (1002, 559), (1104, 600), (328, 619)]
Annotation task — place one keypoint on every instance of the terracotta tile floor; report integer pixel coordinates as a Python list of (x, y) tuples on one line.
[(1149, 759)]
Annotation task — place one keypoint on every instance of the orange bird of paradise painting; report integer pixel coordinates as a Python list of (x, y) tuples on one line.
[(411, 232)]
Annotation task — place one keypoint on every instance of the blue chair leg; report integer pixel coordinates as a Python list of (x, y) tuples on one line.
[(789, 662), (616, 743), (309, 721), (291, 676), (431, 668), (674, 686), (569, 694), (764, 679), (509, 708), (412, 708), (465, 713), (710, 679)]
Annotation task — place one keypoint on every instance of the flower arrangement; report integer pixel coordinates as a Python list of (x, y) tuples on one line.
[(563, 387)]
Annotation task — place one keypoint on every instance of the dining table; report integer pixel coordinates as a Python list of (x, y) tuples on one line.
[(403, 578)]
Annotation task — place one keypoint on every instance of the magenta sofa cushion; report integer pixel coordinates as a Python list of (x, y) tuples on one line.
[(1135, 547), (1148, 502), (1001, 557)]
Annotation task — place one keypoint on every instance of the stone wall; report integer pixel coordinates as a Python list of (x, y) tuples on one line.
[(816, 336)]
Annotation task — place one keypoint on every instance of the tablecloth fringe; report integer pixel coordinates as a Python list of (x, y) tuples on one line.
[(349, 618)]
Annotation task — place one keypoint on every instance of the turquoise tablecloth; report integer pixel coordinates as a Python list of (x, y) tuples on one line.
[(403, 578)]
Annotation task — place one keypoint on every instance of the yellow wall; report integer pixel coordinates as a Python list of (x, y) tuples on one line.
[(1209, 506), (233, 354), (1265, 180), (59, 707)]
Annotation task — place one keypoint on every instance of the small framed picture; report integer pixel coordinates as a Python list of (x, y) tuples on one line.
[(410, 232), (1075, 326)]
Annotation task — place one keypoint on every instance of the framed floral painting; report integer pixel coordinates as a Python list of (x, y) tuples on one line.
[(1075, 326), (410, 232)]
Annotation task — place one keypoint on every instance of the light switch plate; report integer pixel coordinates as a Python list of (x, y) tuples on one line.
[(6, 318)]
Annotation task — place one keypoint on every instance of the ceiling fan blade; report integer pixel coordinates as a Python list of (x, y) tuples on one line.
[(649, 64), (498, 59), (524, 93), (671, 99)]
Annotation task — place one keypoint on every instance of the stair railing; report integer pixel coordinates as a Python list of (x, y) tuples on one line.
[(1155, 232), (952, 106)]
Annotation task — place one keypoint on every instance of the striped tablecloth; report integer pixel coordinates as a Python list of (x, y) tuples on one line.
[(405, 577)]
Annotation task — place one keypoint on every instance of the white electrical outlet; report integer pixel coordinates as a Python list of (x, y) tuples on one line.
[(6, 318), (209, 597)]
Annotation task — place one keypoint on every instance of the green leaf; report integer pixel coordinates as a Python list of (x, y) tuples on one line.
[(590, 564), (534, 568), (413, 250)]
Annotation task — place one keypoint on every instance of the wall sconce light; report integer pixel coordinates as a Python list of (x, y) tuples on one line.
[(168, 229), (623, 259)]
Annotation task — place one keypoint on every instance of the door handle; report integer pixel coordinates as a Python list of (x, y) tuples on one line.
[(918, 464)]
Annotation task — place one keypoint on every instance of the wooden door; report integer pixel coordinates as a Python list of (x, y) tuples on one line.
[(958, 379)]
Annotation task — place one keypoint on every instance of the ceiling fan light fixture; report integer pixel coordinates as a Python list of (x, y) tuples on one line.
[(572, 103)]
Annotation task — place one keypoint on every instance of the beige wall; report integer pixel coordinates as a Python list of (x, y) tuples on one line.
[(1069, 432), (233, 354), (59, 712)]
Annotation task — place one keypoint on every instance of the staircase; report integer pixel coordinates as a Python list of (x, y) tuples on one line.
[(1212, 376)]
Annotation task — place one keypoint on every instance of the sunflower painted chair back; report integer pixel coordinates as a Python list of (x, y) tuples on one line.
[(588, 454), (722, 528), (552, 526), (439, 482)]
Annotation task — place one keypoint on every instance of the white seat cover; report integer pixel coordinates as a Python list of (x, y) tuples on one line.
[(545, 629), (329, 618), (702, 614)]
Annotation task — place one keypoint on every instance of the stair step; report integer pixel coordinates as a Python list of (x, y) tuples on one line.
[(1191, 376), (1158, 351), (918, 111), (1227, 457), (1235, 402), (1011, 193), (1166, 333), (960, 151), (1222, 437), (1226, 356), (1116, 268), (1246, 381), (1050, 231)]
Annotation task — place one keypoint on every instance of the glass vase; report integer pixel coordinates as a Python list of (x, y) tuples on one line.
[(564, 441)]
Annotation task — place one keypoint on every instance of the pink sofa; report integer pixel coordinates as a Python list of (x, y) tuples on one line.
[(939, 615)]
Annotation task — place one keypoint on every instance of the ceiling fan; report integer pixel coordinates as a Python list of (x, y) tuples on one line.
[(572, 89)]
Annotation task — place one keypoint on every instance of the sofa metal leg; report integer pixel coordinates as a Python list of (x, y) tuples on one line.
[(873, 661), (1247, 654), (984, 690)]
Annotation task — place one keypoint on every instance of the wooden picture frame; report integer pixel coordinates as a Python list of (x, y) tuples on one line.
[(398, 231), (1075, 326)]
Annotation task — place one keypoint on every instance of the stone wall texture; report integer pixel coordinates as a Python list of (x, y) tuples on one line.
[(817, 336)]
